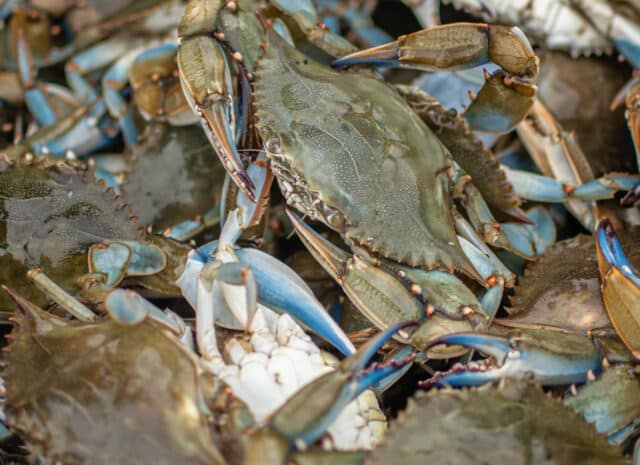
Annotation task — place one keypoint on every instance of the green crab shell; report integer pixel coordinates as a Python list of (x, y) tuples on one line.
[(515, 423), (348, 151), (563, 288), (49, 216), (104, 393), (174, 176)]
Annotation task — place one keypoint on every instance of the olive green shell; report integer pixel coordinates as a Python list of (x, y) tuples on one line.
[(515, 424), (468, 151), (348, 150), (174, 177), (563, 287), (49, 216), (104, 393)]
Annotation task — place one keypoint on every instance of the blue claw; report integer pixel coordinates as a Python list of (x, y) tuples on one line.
[(612, 251), (496, 346), (545, 356), (301, 424), (280, 288)]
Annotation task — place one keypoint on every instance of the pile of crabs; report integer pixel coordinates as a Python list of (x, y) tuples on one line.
[(242, 232)]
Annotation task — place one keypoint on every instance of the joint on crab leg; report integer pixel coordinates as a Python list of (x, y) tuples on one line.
[(620, 286), (544, 189), (557, 155), (306, 415), (206, 82), (93, 58), (533, 353), (33, 96), (508, 93), (380, 296)]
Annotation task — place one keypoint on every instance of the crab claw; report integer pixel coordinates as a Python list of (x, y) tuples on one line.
[(307, 415), (206, 82), (546, 356), (278, 287), (508, 93), (620, 286)]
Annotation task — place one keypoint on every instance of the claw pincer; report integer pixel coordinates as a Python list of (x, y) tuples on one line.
[(544, 356)]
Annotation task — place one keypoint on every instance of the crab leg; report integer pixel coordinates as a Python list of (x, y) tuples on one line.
[(302, 422), (544, 189), (113, 81), (535, 355), (557, 154), (521, 239), (620, 287), (508, 93), (46, 102), (630, 95), (383, 299), (60, 296), (206, 81), (386, 293), (34, 98), (83, 131), (93, 58)]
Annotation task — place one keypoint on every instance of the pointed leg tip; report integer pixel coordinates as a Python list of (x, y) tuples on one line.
[(382, 55)]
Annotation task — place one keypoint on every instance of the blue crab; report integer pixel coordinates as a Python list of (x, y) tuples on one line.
[(205, 423), (336, 190), (55, 215)]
